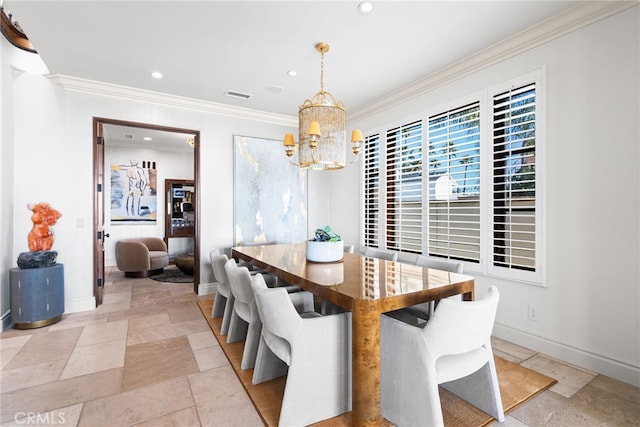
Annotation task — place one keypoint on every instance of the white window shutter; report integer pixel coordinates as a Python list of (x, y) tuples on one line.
[(403, 207), (514, 194), (454, 184)]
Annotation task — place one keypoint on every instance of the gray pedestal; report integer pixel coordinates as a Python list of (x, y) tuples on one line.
[(37, 296)]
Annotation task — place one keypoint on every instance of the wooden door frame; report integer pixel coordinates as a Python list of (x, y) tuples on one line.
[(98, 176)]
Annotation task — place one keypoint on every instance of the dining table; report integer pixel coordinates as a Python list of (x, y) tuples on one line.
[(367, 287)]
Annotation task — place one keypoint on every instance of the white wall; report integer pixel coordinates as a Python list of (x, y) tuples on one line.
[(13, 63), (6, 171), (53, 152), (590, 304), (169, 165)]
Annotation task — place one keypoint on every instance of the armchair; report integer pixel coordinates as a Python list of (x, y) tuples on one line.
[(141, 257), (314, 351), (452, 350)]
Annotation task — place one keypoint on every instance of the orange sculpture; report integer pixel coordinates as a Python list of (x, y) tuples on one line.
[(41, 236)]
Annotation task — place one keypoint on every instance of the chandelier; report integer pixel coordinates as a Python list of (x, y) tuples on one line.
[(322, 134)]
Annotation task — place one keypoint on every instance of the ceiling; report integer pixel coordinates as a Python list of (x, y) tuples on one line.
[(205, 48)]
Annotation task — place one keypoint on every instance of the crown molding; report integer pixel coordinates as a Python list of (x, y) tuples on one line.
[(563, 23), (572, 19), (75, 84)]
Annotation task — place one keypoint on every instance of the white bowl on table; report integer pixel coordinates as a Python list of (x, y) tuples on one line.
[(325, 251)]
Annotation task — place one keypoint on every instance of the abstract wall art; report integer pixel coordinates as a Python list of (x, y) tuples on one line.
[(270, 194), (134, 192)]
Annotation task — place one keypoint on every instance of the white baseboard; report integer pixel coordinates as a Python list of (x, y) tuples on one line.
[(207, 288), (593, 362), (78, 305), (6, 320)]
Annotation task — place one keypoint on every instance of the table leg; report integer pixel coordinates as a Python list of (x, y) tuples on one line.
[(365, 386)]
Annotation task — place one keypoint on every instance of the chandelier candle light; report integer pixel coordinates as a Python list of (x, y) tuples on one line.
[(322, 133)]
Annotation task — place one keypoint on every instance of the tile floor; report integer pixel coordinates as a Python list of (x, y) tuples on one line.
[(146, 357)]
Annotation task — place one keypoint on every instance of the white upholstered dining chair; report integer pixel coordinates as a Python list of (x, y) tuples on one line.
[(425, 310), (223, 302), (380, 253), (224, 299), (314, 352), (440, 264), (453, 350), (245, 323)]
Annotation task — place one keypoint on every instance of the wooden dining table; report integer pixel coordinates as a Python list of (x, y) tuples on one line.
[(367, 287)]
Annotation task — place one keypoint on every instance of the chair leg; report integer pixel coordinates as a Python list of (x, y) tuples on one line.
[(226, 317), (237, 329), (254, 332), (481, 389), (219, 303), (268, 366)]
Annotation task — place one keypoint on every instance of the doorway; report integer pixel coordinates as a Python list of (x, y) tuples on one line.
[(133, 131)]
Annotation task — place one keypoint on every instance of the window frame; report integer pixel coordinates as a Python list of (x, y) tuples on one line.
[(535, 77)]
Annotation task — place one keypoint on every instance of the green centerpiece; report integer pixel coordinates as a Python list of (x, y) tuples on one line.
[(326, 246)]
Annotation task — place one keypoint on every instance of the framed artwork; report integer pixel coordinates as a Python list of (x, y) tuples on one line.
[(134, 192), (270, 194)]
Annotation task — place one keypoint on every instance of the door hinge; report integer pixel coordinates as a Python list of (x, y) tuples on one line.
[(99, 188), (99, 140), (99, 235), (100, 282)]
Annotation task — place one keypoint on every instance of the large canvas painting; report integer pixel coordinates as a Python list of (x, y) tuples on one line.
[(134, 192), (270, 194)]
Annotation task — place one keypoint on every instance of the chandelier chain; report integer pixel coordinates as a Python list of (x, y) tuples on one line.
[(322, 71)]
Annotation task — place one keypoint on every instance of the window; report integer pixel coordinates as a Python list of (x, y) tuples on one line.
[(462, 183)]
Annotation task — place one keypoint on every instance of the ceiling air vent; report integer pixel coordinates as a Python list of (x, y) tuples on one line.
[(239, 95)]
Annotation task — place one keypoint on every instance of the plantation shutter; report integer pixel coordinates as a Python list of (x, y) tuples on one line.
[(371, 193), (514, 179), (454, 184), (404, 188)]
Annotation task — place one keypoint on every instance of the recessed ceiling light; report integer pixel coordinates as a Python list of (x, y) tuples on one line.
[(365, 7), (292, 73), (156, 74), (147, 138)]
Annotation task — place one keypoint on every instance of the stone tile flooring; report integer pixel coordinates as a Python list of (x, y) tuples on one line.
[(146, 357)]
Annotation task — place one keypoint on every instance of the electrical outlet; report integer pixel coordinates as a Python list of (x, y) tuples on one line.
[(533, 313)]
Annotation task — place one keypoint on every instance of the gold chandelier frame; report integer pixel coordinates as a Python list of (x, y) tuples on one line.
[(322, 135)]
